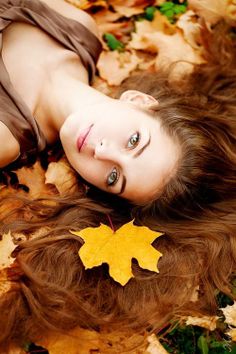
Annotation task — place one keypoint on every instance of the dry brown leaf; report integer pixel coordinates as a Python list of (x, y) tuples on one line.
[(34, 178), (140, 38), (62, 176), (88, 4), (190, 27), (101, 85), (208, 322), (6, 248), (106, 16), (9, 205), (78, 341), (106, 22), (114, 67), (211, 10), (82, 341), (230, 314), (232, 333), (142, 28), (121, 30), (155, 346), (129, 8), (123, 342), (172, 49), (231, 10)]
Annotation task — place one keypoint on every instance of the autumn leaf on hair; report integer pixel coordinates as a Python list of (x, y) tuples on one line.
[(103, 245)]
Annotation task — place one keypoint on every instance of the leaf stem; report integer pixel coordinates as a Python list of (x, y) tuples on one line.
[(110, 222)]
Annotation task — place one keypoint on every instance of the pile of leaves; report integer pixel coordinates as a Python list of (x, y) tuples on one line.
[(137, 35)]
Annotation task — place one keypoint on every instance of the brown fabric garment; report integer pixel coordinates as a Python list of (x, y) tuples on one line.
[(14, 113)]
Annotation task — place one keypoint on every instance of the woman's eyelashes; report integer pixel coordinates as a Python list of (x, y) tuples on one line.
[(133, 140), (113, 176)]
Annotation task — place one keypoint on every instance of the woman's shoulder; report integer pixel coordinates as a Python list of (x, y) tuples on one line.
[(9, 147), (74, 13)]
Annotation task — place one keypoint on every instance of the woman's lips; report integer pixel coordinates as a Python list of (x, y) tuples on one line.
[(83, 137)]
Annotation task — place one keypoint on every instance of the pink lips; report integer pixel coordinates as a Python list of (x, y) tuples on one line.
[(82, 137)]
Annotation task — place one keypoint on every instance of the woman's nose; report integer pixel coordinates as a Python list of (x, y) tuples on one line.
[(108, 151)]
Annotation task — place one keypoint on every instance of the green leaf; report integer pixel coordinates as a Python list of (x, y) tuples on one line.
[(180, 9), (202, 345), (149, 12), (166, 6), (169, 13), (112, 42)]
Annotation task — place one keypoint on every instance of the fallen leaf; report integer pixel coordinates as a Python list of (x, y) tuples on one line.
[(211, 10), (118, 29), (8, 205), (230, 314), (155, 346), (174, 49), (231, 10), (140, 38), (232, 333), (106, 16), (142, 28), (88, 4), (117, 249), (77, 341), (129, 8), (83, 341), (34, 178), (6, 248), (107, 23), (114, 67), (113, 43), (190, 27), (62, 176), (208, 322), (102, 85)]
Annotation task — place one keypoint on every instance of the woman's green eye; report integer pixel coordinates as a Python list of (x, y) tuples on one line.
[(113, 177), (133, 140)]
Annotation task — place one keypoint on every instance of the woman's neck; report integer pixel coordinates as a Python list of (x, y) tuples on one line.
[(64, 95)]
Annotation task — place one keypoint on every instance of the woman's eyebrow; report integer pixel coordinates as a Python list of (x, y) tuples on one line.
[(122, 186), (140, 151)]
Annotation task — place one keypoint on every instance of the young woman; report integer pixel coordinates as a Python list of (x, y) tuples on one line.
[(50, 85), (168, 150)]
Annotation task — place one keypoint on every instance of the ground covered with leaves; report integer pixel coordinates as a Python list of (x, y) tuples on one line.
[(137, 35)]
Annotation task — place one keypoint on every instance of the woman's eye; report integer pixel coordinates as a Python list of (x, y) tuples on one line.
[(113, 177), (133, 140)]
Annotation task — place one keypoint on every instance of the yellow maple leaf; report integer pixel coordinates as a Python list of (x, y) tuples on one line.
[(103, 245)]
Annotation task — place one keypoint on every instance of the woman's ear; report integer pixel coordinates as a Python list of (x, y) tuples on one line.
[(138, 98)]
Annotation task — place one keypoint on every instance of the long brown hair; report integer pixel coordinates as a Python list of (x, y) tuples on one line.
[(196, 211)]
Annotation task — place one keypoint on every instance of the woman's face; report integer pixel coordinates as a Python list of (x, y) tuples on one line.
[(120, 149)]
